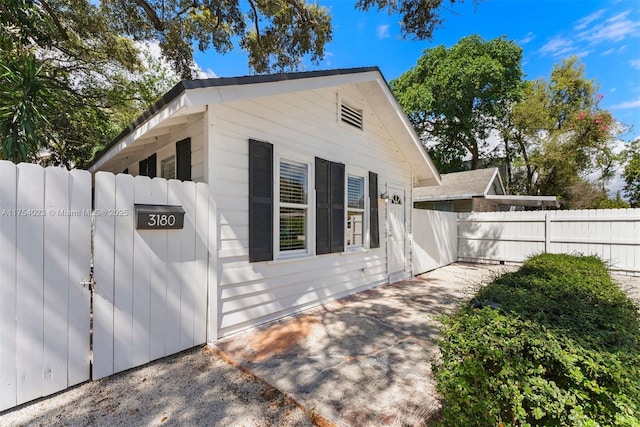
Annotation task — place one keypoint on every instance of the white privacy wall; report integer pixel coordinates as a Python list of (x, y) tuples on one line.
[(45, 247), (611, 234), (435, 242), (150, 297)]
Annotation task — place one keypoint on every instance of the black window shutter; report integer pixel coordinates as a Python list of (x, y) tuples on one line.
[(374, 228), (183, 160), (260, 201), (151, 165), (337, 206), (143, 169), (323, 211)]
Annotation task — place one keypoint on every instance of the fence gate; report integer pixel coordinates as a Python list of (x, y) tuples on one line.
[(45, 249), (150, 294)]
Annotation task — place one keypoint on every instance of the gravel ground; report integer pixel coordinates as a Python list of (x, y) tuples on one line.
[(195, 388)]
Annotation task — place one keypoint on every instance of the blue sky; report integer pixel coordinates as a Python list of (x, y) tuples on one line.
[(604, 34)]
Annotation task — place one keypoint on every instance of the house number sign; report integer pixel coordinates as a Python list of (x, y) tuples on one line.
[(159, 217)]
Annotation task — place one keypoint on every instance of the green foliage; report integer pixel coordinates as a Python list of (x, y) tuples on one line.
[(557, 134), (68, 84), (23, 109), (563, 348), (456, 96), (631, 175)]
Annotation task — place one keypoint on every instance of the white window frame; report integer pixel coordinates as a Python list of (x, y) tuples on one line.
[(358, 173), (286, 155)]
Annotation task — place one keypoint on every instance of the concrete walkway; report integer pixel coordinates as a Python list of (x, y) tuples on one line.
[(364, 360)]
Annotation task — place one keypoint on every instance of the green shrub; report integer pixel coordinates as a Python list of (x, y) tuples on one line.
[(562, 348)]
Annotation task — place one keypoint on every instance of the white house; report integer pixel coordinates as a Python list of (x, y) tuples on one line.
[(311, 175)]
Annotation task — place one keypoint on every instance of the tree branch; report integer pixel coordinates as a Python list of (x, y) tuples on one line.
[(255, 19), (304, 13), (56, 21), (158, 24)]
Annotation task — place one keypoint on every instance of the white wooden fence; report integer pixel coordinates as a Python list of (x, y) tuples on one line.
[(45, 247), (612, 234), (435, 242), (150, 296)]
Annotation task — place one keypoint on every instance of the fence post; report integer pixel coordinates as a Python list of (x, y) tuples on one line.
[(547, 232)]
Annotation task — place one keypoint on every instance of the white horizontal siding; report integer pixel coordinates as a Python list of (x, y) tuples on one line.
[(305, 123)]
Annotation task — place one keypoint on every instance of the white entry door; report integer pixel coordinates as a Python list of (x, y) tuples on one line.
[(396, 233)]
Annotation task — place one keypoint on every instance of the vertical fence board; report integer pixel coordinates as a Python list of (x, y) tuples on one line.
[(56, 279), (8, 289), (202, 261), (174, 254), (104, 276), (158, 290), (79, 269), (142, 278), (30, 276), (123, 275), (187, 296)]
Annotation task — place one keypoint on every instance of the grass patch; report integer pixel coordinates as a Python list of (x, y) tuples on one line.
[(556, 343)]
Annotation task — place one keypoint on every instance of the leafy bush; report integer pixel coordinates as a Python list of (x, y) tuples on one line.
[(556, 343)]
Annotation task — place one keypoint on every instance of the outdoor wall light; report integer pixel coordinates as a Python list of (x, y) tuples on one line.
[(384, 196)]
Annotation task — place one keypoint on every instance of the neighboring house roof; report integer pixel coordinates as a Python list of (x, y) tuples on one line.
[(485, 183), (192, 97), (461, 185)]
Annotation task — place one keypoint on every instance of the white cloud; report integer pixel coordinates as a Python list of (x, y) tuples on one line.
[(615, 29), (626, 105), (558, 46), (204, 74), (527, 39), (584, 22), (382, 31), (635, 64)]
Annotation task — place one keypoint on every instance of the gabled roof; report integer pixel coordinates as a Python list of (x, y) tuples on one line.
[(460, 185), (193, 96)]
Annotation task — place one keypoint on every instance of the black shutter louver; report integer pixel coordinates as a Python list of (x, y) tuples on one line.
[(260, 201), (336, 182), (323, 211), (151, 165), (183, 160), (143, 167), (374, 228)]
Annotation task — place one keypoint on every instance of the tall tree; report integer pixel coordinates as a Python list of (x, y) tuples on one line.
[(559, 134), (457, 96)]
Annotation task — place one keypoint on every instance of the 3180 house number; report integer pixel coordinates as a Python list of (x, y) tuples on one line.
[(159, 217), (161, 220)]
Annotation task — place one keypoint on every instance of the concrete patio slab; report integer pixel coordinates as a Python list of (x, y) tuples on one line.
[(364, 360)]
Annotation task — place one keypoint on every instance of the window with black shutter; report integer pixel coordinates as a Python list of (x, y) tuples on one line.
[(374, 229), (183, 160), (329, 182), (260, 201)]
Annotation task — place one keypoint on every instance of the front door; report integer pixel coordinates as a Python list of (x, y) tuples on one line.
[(396, 233)]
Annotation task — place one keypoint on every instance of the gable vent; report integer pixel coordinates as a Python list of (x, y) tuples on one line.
[(351, 115)]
